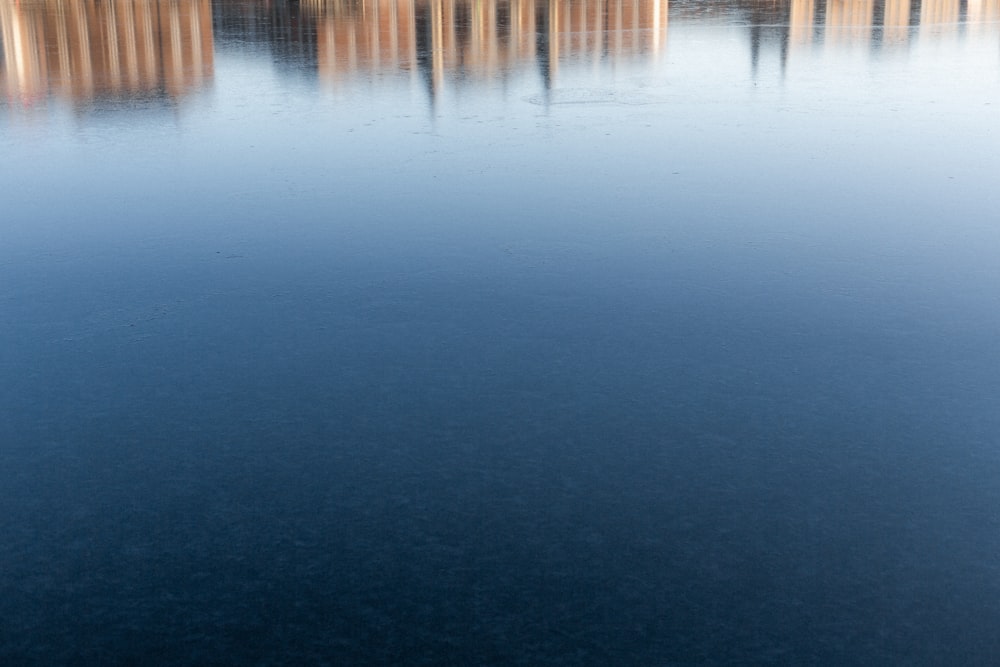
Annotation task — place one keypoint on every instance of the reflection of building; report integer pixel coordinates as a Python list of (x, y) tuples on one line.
[(849, 22), (469, 40), (982, 13), (86, 49), (381, 37), (939, 12), (480, 39), (785, 25), (801, 21), (897, 17), (842, 23)]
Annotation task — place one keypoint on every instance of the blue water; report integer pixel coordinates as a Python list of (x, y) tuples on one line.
[(680, 351)]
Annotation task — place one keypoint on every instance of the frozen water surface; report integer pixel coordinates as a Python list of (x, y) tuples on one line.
[(499, 332)]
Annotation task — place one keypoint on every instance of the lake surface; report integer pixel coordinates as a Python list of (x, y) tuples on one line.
[(484, 332)]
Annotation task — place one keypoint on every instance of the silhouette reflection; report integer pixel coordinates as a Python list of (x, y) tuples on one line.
[(83, 50)]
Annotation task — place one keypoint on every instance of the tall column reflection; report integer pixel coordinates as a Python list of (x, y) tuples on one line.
[(801, 21), (896, 19), (849, 22), (87, 49)]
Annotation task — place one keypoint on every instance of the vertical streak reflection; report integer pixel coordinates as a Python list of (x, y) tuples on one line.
[(482, 39), (86, 49)]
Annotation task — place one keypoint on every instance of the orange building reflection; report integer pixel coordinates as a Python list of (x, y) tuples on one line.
[(849, 22), (982, 14), (86, 49), (845, 25), (801, 21), (480, 39), (896, 19)]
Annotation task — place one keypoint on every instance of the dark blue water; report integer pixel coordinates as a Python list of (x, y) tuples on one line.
[(665, 341)]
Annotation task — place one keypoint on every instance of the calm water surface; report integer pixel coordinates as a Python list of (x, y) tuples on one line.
[(446, 332)]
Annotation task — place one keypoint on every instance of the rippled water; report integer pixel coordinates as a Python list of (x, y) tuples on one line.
[(499, 332)]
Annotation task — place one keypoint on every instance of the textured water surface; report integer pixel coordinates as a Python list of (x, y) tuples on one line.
[(448, 332)]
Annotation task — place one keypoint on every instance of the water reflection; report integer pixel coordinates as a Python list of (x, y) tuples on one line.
[(482, 40), (82, 50), (702, 373), (845, 25)]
